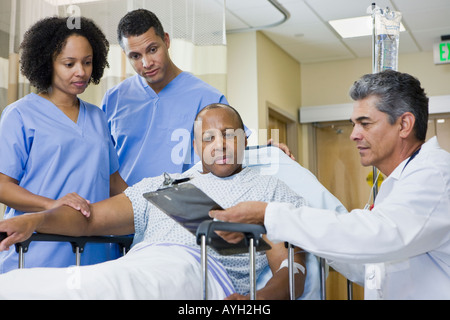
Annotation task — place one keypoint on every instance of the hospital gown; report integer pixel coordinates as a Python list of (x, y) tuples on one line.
[(152, 132), (164, 260), (50, 155)]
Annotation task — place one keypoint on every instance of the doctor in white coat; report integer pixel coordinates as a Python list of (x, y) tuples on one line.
[(400, 248)]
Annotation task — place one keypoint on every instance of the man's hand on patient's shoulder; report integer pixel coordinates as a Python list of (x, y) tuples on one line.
[(282, 147)]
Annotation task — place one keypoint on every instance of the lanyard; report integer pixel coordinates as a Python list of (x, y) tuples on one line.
[(412, 157)]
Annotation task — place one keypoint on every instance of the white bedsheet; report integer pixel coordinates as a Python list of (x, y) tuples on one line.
[(146, 272)]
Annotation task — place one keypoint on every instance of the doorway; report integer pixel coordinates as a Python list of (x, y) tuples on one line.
[(282, 128), (340, 171)]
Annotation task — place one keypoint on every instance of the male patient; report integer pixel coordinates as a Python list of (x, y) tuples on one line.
[(164, 260)]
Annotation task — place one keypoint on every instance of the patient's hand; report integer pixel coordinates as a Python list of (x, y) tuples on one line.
[(237, 296), (74, 201), (17, 229)]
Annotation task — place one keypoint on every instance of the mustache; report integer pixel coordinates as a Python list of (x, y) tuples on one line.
[(227, 157)]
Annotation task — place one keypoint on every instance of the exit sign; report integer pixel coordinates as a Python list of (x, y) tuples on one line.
[(441, 52)]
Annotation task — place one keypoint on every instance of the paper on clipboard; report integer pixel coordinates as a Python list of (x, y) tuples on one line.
[(185, 203), (190, 206)]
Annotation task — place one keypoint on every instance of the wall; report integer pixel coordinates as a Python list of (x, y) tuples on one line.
[(259, 72), (278, 83), (434, 78), (328, 83), (278, 77), (242, 79)]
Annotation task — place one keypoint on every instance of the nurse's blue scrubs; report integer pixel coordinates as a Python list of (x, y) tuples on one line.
[(156, 129), (50, 155)]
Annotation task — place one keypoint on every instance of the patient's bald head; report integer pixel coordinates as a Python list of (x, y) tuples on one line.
[(224, 106), (219, 139)]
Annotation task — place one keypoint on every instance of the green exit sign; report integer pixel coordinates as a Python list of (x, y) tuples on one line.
[(441, 52)]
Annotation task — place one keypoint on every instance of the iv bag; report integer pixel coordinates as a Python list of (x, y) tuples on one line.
[(386, 39)]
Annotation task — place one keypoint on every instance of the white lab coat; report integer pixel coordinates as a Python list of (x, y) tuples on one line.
[(402, 245)]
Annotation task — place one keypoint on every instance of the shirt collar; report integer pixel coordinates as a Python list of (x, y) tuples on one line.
[(149, 89), (397, 173)]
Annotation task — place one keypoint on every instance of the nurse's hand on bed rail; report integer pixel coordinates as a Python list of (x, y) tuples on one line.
[(74, 201), (245, 212), (17, 229)]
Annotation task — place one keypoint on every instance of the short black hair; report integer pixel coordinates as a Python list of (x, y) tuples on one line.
[(138, 22), (47, 38)]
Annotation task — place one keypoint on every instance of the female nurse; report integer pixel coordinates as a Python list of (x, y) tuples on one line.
[(55, 149)]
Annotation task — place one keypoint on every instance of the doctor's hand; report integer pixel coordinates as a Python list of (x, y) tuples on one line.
[(74, 201), (251, 212), (17, 229)]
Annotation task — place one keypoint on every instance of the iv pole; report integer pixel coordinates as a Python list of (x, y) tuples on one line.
[(374, 169), (374, 70), (380, 54)]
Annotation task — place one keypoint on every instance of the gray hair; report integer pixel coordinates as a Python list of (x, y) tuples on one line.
[(398, 93)]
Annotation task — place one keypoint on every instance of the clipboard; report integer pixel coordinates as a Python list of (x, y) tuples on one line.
[(190, 206)]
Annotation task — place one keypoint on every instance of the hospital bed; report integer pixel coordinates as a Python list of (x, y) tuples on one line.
[(268, 160), (78, 244)]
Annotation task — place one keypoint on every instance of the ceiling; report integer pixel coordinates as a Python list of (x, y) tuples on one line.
[(308, 37)]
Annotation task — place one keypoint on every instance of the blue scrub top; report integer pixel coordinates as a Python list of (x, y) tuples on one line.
[(152, 133), (50, 155)]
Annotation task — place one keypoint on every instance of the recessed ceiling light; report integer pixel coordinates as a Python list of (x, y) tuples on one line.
[(355, 27)]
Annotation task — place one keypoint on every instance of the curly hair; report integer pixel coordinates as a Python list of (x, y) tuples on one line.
[(46, 39)]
